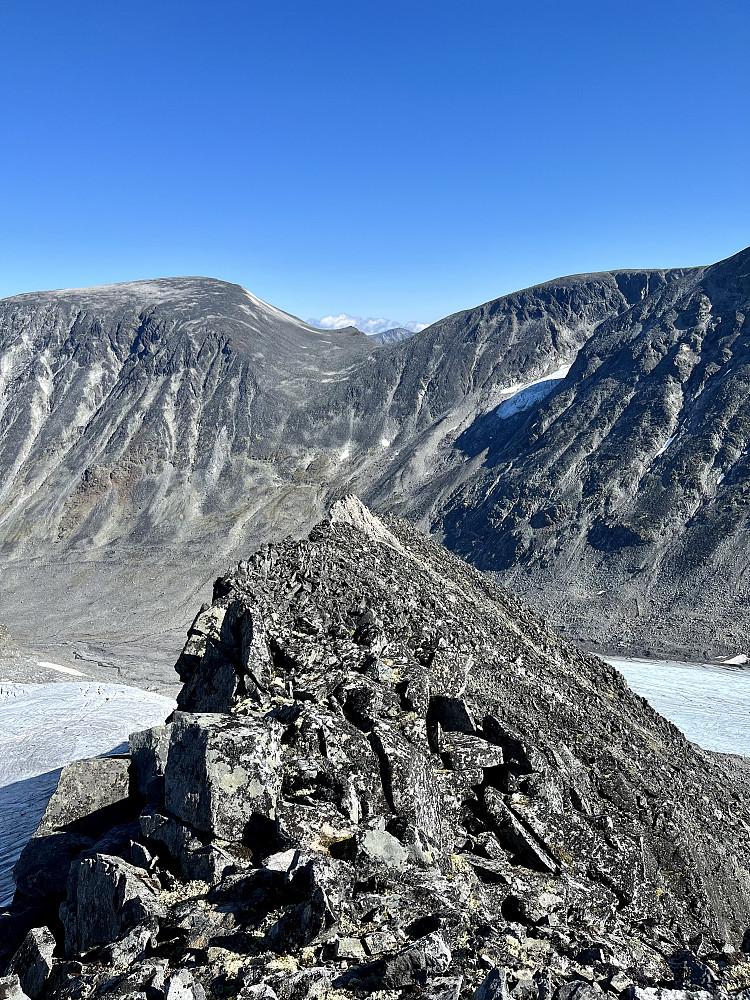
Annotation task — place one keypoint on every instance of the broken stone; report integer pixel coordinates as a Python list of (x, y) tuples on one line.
[(443, 988), (222, 772), (32, 963), (258, 991), (106, 896), (513, 834), (464, 752), (301, 925), (182, 986), (305, 985), (690, 971), (349, 948), (92, 796), (10, 988), (409, 782), (225, 659), (494, 986), (131, 947), (382, 846), (149, 750), (412, 966)]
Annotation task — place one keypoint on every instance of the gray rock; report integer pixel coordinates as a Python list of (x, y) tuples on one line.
[(493, 987), (10, 988), (259, 991), (91, 797), (182, 986), (412, 966), (300, 926), (514, 835), (577, 991), (444, 988), (32, 963), (131, 947), (382, 846), (148, 754), (222, 773), (106, 896)]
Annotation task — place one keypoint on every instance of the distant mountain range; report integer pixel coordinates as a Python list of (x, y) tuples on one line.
[(585, 440), (394, 336)]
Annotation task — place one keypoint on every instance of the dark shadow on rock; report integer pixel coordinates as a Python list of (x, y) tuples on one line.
[(22, 805)]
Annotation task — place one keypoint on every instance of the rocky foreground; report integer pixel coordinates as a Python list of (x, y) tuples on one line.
[(386, 777)]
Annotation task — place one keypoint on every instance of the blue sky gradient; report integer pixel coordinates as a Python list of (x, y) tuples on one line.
[(380, 159)]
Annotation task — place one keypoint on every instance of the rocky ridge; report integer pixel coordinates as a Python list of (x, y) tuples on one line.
[(387, 777)]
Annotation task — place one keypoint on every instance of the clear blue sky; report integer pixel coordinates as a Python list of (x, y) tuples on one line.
[(398, 159)]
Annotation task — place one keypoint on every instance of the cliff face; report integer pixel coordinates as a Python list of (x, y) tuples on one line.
[(385, 774), (152, 431)]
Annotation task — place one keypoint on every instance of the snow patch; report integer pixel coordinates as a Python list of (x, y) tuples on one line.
[(60, 668), (385, 442), (522, 395), (664, 446), (737, 660)]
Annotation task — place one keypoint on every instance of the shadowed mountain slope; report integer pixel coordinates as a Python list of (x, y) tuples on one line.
[(618, 504)]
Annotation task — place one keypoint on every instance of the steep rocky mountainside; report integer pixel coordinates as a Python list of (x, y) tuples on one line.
[(150, 432), (387, 777), (618, 504)]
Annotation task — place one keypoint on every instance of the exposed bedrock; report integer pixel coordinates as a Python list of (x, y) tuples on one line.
[(386, 776)]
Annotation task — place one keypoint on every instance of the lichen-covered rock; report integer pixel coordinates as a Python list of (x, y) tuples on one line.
[(222, 772)]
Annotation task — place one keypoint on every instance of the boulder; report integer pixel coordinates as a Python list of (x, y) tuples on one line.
[(148, 756), (412, 966), (32, 963), (222, 772), (10, 988), (91, 798), (182, 986), (106, 897)]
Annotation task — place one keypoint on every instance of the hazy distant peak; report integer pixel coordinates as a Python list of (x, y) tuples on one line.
[(392, 336)]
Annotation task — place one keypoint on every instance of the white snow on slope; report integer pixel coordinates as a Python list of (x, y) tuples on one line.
[(60, 669), (710, 704), (520, 396), (43, 727), (664, 446)]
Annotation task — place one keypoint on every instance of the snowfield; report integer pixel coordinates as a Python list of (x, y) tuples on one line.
[(43, 727), (711, 705)]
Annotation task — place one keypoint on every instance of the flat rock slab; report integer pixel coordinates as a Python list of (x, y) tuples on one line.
[(43, 727)]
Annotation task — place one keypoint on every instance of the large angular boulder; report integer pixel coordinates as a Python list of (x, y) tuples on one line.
[(223, 772), (106, 897), (91, 799), (32, 963)]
